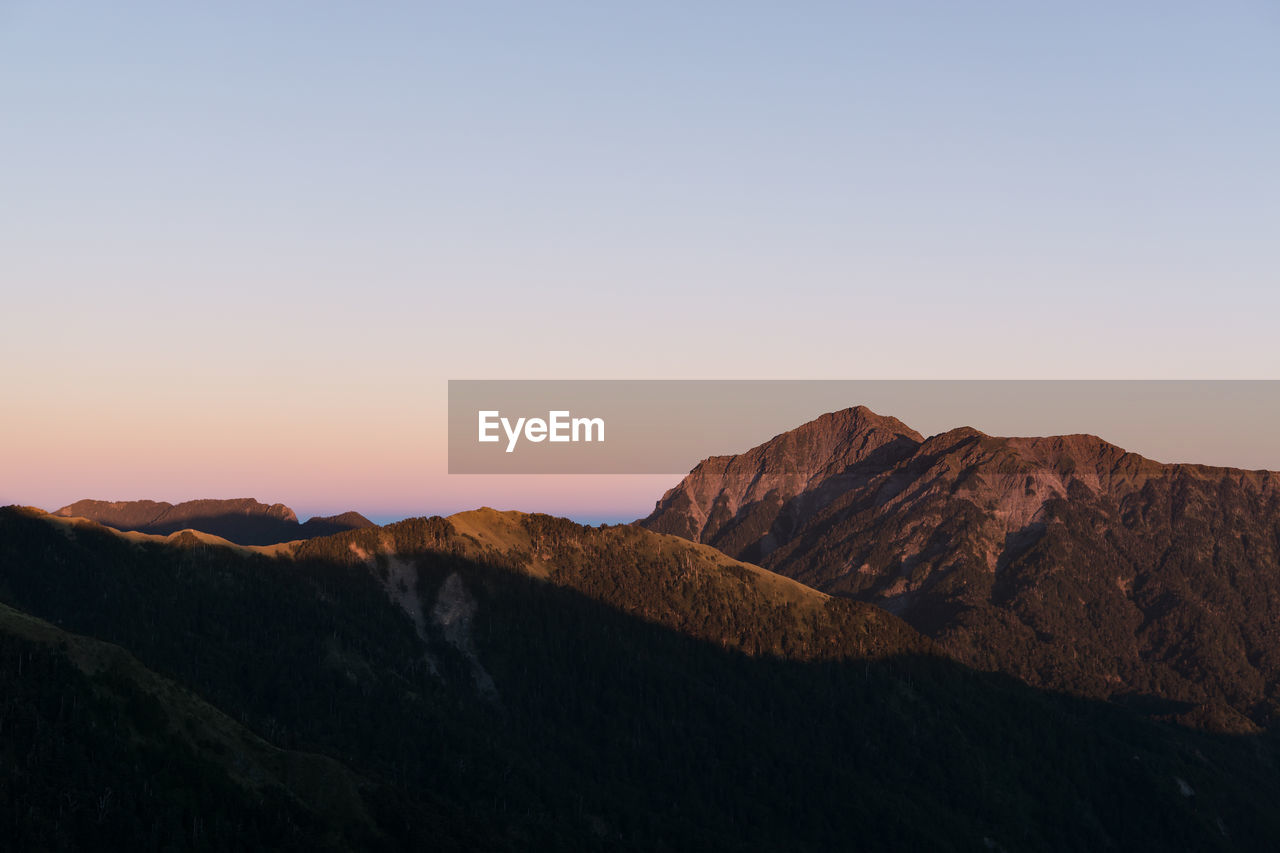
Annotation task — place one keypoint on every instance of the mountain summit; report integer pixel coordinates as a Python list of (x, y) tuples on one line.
[(733, 501), (1064, 560)]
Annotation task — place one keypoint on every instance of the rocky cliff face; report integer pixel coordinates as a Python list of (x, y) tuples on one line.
[(736, 502), (1064, 560)]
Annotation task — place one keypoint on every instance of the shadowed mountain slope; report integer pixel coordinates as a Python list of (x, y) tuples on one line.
[(143, 757), (243, 521), (521, 682), (1065, 561)]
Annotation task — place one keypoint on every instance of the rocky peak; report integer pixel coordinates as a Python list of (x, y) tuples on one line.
[(1064, 560), (814, 457)]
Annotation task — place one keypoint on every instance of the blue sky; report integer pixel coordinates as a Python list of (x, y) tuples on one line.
[(298, 208)]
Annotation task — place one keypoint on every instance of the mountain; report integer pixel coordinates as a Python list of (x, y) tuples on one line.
[(1065, 561), (144, 757), (693, 589), (326, 525), (243, 521), (504, 681), (733, 502)]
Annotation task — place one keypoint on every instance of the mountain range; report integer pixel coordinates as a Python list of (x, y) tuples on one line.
[(1065, 561), (503, 681), (849, 637), (243, 521)]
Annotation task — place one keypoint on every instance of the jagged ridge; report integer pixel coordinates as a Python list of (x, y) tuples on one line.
[(1064, 560)]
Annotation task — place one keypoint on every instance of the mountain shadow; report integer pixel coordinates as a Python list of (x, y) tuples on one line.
[(543, 681)]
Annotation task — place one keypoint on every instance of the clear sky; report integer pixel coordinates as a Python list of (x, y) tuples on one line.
[(244, 245)]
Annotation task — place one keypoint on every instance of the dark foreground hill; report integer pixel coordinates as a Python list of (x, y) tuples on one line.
[(1065, 561), (243, 521), (99, 752), (501, 681)]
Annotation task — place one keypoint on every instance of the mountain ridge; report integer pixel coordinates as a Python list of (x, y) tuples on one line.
[(1065, 560), (243, 521), (570, 688)]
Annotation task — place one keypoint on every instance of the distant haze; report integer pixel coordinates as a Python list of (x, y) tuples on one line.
[(243, 245)]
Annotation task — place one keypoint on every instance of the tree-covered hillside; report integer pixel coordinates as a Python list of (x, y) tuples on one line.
[(500, 681)]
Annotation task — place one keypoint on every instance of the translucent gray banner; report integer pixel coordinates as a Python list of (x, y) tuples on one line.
[(668, 426)]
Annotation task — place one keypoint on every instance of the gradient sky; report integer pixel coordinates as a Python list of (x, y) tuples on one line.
[(244, 245)]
